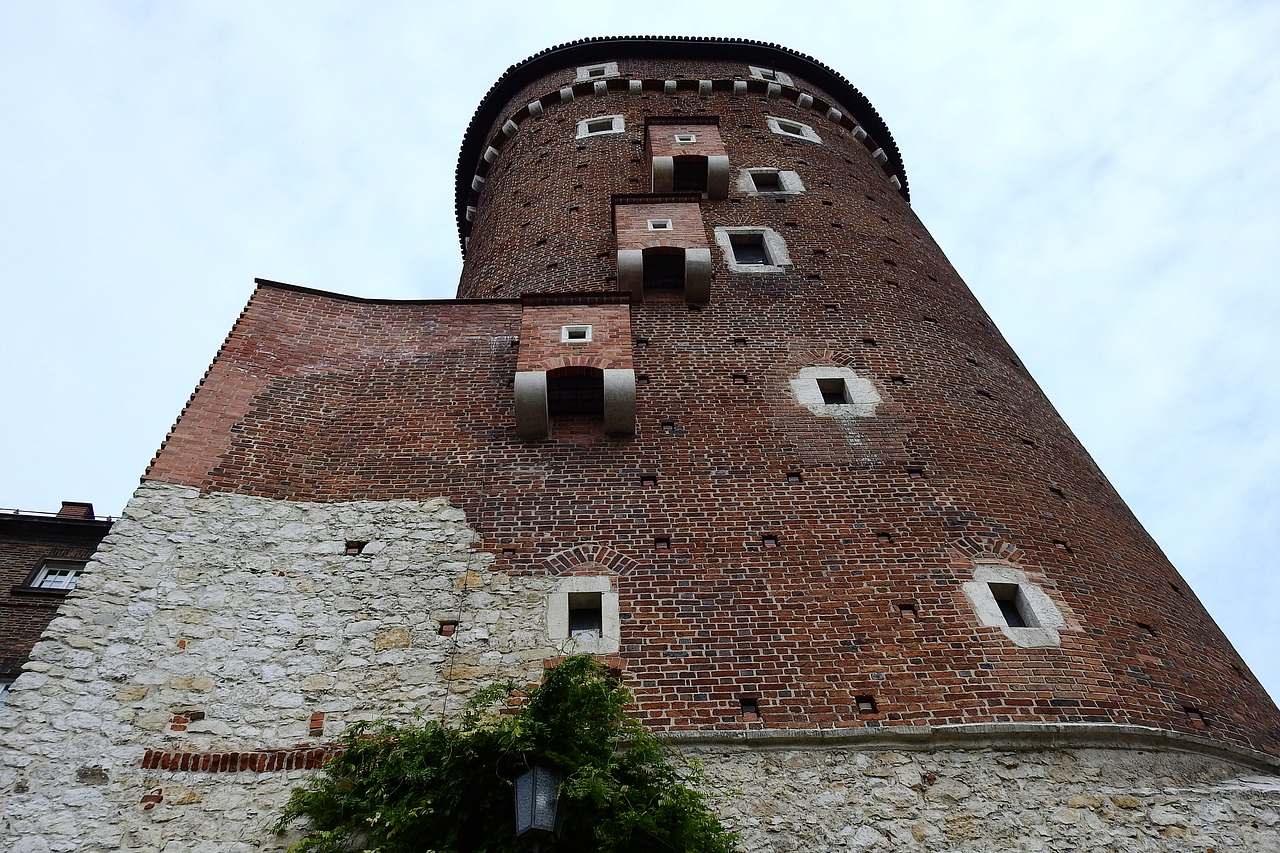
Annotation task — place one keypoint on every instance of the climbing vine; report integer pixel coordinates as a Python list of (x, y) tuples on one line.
[(430, 788)]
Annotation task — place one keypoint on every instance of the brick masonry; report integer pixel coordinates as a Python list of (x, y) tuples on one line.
[(322, 397)]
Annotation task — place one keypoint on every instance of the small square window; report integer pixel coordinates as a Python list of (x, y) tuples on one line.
[(766, 181), (586, 614), (833, 391), (601, 125), (575, 334), (1006, 596), (686, 137), (597, 71), (660, 225), (770, 75), (748, 248), (795, 129), (866, 704), (57, 574)]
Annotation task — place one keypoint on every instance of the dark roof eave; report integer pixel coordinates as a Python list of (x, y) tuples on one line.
[(607, 48)]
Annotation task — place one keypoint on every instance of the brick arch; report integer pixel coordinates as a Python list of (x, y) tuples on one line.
[(975, 546), (589, 558), (575, 364), (825, 358)]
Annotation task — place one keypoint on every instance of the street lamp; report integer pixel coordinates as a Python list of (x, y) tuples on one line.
[(537, 795)]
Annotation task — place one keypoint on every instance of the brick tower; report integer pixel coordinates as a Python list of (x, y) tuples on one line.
[(711, 403)]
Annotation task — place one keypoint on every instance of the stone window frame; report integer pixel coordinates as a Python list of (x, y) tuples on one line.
[(789, 182), (775, 248), (610, 639), (37, 580), (566, 336), (861, 396), (685, 138), (1043, 617), (803, 131), (770, 75), (661, 225), (599, 71), (618, 124)]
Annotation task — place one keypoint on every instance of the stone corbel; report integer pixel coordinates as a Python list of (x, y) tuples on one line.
[(619, 401), (532, 421)]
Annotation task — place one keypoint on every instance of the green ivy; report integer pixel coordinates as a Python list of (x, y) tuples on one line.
[(431, 788)]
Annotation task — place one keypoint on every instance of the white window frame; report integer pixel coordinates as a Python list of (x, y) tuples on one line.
[(775, 249), (617, 124), (566, 334), (789, 182), (684, 138), (609, 641), (803, 130), (860, 395), (40, 578), (1042, 616), (599, 71), (770, 75), (661, 225)]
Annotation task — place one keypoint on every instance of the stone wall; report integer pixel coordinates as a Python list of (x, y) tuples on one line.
[(874, 800), (223, 625)]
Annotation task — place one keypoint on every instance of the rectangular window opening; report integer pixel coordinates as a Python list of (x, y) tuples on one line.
[(866, 704), (663, 270), (575, 334), (690, 174), (600, 125), (586, 614), (354, 547), (795, 477), (58, 574), (662, 542), (660, 225), (907, 610), (648, 480), (766, 181), (686, 137), (833, 392), (769, 540), (749, 707), (448, 627), (1196, 717), (748, 248), (1007, 597)]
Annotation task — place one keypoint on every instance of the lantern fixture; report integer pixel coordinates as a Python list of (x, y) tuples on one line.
[(537, 793)]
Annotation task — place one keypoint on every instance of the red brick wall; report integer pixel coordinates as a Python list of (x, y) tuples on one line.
[(25, 541), (542, 349), (319, 397), (661, 140), (631, 222)]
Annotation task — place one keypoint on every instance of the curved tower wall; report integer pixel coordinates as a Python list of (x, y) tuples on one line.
[(893, 518), (712, 406)]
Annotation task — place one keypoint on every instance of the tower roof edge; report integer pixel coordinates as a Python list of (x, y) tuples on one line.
[(589, 50)]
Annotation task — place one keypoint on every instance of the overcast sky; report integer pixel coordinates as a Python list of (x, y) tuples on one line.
[(1105, 176)]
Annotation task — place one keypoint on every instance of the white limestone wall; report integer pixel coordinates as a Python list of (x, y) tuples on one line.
[(247, 611), (876, 800)]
